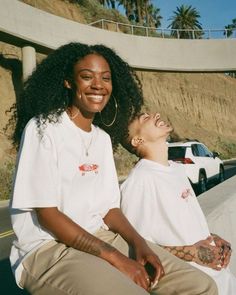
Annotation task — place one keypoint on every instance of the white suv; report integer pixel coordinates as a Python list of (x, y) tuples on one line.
[(201, 165)]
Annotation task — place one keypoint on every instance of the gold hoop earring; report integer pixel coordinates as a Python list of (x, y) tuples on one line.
[(116, 109)]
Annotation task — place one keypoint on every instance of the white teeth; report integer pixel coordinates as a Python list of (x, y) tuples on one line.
[(95, 97)]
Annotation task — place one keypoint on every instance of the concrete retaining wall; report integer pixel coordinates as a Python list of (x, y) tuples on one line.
[(219, 207), (30, 25)]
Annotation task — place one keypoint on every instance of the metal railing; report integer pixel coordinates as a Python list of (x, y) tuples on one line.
[(163, 33)]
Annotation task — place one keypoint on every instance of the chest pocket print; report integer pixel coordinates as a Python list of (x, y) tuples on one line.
[(88, 168)]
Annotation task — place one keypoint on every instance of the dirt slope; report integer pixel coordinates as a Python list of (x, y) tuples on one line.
[(201, 106)]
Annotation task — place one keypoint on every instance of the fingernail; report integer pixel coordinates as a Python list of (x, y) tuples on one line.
[(153, 285)]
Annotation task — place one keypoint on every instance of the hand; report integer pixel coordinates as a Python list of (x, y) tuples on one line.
[(133, 269), (207, 254), (145, 256), (224, 248), (117, 222)]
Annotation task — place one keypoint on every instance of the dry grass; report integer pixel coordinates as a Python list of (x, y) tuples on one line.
[(6, 177)]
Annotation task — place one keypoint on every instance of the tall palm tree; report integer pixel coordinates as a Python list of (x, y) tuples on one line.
[(142, 12), (109, 3), (136, 8), (139, 10), (185, 18), (129, 8), (154, 16), (113, 4)]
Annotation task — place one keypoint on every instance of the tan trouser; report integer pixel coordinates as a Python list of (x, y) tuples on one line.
[(57, 269)]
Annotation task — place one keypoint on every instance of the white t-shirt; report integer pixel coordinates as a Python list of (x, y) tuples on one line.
[(54, 171), (160, 203)]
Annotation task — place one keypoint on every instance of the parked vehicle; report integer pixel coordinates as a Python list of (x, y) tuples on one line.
[(202, 166)]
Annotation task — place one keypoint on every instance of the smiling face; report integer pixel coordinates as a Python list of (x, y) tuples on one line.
[(148, 128), (92, 84)]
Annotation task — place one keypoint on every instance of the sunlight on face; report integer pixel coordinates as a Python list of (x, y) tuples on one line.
[(93, 84)]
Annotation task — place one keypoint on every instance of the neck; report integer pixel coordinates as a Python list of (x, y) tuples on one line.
[(81, 120), (157, 152)]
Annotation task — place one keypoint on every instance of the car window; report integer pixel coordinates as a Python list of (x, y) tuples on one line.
[(176, 152), (203, 152), (207, 152), (194, 149)]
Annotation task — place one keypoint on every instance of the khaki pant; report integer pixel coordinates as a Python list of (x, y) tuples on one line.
[(57, 269)]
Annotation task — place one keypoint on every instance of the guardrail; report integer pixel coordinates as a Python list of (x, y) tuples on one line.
[(164, 33)]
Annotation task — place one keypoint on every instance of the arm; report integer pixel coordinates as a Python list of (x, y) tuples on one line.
[(71, 234), (117, 222), (202, 253)]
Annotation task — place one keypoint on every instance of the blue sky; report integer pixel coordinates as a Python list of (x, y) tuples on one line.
[(215, 14)]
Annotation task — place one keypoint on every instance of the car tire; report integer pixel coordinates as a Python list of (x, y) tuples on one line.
[(202, 183), (221, 176)]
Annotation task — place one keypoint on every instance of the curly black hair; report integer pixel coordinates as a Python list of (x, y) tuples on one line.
[(45, 97)]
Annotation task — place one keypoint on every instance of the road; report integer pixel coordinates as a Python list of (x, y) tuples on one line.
[(6, 236), (7, 283), (5, 232), (230, 168)]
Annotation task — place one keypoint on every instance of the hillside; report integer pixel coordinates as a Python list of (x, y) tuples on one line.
[(200, 106)]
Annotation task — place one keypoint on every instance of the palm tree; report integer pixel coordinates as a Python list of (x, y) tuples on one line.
[(185, 18), (129, 8), (136, 9), (230, 28), (139, 10), (142, 12), (109, 3), (154, 16)]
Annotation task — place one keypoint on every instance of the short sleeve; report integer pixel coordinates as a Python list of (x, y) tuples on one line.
[(138, 202), (36, 179)]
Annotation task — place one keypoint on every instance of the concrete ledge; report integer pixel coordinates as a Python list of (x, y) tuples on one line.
[(219, 207), (25, 24)]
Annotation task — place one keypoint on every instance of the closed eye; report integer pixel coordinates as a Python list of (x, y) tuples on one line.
[(106, 79), (86, 77), (144, 117)]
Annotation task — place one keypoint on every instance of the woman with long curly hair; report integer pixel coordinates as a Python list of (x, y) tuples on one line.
[(46, 97), (71, 237)]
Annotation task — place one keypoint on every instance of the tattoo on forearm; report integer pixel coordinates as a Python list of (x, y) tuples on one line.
[(181, 252), (91, 245), (205, 255)]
